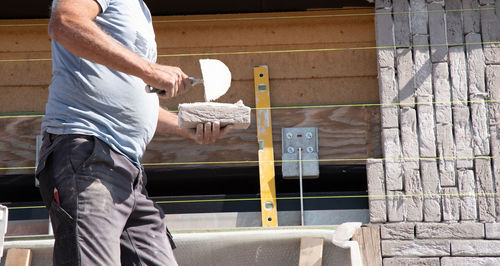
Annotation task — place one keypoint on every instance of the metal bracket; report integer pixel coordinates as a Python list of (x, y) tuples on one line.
[(305, 138)]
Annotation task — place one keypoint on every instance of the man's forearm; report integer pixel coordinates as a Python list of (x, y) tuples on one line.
[(75, 29), (168, 124)]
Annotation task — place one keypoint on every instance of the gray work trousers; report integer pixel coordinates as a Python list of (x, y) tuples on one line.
[(99, 207)]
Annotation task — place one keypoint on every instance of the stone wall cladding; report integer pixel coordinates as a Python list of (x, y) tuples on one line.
[(439, 75)]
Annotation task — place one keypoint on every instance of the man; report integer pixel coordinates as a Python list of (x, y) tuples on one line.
[(98, 122)]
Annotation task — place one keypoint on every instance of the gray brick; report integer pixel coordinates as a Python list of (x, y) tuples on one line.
[(450, 230), (475, 63), (409, 137), (492, 53), (492, 85), (426, 127), (446, 153), (392, 154), (388, 95), (431, 189), (398, 231), (485, 185), (420, 248), (411, 262), (389, 116), (442, 93), (401, 23), (475, 248), (384, 33), (191, 114), (384, 4), (419, 17), (437, 32), (490, 32), (458, 75), (469, 261), (495, 153), (451, 204), (396, 206), (423, 77), (454, 22), (463, 137), (480, 128), (406, 84), (413, 189), (471, 19), (467, 188), (492, 230), (376, 190)]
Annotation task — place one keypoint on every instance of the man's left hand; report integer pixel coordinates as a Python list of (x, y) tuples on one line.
[(208, 133)]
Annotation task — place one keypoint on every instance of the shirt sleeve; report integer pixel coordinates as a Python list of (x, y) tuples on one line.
[(104, 4)]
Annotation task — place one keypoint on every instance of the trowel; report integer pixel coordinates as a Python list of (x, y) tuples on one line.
[(216, 79)]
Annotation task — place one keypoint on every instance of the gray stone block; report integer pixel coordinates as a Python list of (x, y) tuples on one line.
[(451, 204), (376, 190), (437, 32), (485, 189), (431, 189), (409, 137), (384, 34), (469, 261), (401, 23), (475, 63), (399, 231), (423, 66), (418, 248), (419, 17), (446, 154), (405, 69), (493, 82), (388, 88), (480, 128), (426, 127), (476, 248), (492, 230), (392, 154), (411, 262), (454, 27), (471, 17), (384, 4), (467, 188), (191, 114), (389, 116), (396, 206), (442, 93), (450, 231), (492, 53), (463, 137), (458, 75), (414, 198), (490, 33), (495, 153)]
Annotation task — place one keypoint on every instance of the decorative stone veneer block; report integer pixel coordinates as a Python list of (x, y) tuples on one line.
[(413, 188), (454, 22), (495, 152), (384, 30), (431, 189), (405, 72), (409, 137), (475, 248), (389, 96), (469, 261), (392, 153), (450, 231), (463, 137), (422, 77), (485, 186), (442, 93), (401, 23), (437, 32), (467, 189), (376, 190), (396, 206), (480, 128), (420, 248), (446, 154), (192, 114), (401, 231), (426, 127), (475, 63), (492, 86), (492, 230), (451, 204), (411, 262), (490, 32), (471, 18), (418, 24), (458, 75)]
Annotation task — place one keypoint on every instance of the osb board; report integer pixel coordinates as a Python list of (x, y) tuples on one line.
[(314, 77), (344, 133)]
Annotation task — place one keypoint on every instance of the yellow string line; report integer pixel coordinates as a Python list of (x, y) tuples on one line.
[(402, 159), (283, 51), (428, 195), (285, 17)]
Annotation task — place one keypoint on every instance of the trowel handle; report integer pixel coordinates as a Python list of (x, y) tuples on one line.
[(151, 89)]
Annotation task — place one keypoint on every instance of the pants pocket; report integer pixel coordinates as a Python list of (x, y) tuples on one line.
[(64, 226)]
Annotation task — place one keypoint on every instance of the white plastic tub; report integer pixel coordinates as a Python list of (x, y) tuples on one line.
[(4, 215)]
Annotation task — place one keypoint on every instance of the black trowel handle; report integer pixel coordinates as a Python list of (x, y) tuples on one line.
[(151, 89)]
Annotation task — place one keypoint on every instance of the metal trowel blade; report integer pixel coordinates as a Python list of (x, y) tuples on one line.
[(216, 78)]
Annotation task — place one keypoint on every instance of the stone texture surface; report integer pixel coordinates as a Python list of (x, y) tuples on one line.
[(396, 206), (475, 247), (475, 63), (388, 97), (420, 248), (458, 75), (384, 32), (392, 153), (480, 127), (413, 188), (492, 230), (446, 154), (485, 189), (405, 72), (449, 231), (469, 261), (490, 33), (191, 114), (426, 127), (411, 262), (463, 136), (471, 18), (454, 25), (451, 204), (442, 93), (376, 190), (423, 65), (401, 23), (409, 137), (419, 17), (431, 189), (400, 231), (437, 32), (467, 189)]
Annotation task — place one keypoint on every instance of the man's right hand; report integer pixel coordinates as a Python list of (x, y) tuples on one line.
[(168, 78)]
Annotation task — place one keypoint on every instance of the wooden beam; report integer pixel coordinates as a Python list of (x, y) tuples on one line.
[(311, 251), (368, 238), (18, 257)]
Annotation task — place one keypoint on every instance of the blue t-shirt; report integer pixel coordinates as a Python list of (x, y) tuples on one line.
[(92, 99)]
